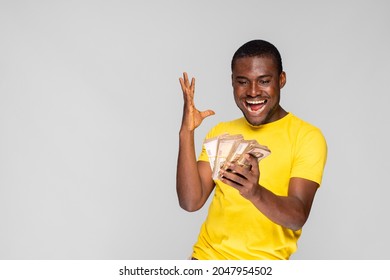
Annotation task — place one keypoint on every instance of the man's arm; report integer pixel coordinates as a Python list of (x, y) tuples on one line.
[(193, 179), (291, 211)]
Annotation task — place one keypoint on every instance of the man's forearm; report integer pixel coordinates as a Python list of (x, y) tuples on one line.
[(283, 210), (188, 182)]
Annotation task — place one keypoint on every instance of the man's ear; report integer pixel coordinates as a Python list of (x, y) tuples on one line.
[(232, 79), (282, 79)]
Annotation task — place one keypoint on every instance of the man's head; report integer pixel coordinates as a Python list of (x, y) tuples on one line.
[(257, 77), (259, 48)]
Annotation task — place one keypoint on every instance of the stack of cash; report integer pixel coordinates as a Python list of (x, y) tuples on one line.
[(232, 148)]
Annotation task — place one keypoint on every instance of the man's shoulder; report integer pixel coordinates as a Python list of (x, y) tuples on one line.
[(297, 121), (304, 128)]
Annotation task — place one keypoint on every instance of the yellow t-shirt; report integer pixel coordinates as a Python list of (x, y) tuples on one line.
[(234, 227)]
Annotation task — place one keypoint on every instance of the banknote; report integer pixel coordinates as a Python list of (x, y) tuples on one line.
[(226, 148)]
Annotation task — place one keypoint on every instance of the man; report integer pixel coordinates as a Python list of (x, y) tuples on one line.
[(256, 213)]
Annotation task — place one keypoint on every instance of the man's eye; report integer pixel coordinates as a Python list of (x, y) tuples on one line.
[(264, 82), (242, 82)]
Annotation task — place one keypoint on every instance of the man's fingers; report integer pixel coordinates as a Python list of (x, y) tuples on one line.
[(186, 86), (187, 82), (182, 84), (192, 86), (232, 179), (185, 77), (254, 163), (207, 113)]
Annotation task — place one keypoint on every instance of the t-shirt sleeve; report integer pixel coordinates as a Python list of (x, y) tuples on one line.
[(310, 157), (203, 154)]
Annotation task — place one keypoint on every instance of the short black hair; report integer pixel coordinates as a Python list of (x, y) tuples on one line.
[(259, 48)]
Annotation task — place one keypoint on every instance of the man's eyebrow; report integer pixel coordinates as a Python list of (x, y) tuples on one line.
[(266, 76), (259, 77), (240, 77)]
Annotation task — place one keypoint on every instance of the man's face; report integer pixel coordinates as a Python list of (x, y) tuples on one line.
[(256, 86)]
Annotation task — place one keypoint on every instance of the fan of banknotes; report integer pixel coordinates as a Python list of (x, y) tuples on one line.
[(232, 148)]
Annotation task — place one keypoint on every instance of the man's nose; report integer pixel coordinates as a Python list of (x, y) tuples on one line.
[(254, 89)]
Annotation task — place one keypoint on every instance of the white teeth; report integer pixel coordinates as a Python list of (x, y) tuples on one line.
[(256, 101)]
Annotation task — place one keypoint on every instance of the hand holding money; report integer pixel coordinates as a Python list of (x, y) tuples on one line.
[(226, 149)]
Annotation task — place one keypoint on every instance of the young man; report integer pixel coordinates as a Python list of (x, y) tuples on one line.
[(256, 213)]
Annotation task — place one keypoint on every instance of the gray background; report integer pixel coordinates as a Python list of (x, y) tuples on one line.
[(90, 109)]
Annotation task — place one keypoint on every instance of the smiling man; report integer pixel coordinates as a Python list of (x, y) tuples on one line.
[(255, 213)]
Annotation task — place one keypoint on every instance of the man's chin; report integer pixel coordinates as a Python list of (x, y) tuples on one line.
[(254, 122)]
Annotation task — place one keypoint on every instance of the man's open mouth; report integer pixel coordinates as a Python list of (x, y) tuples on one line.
[(255, 105)]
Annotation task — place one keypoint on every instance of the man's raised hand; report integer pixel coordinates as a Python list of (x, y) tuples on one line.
[(192, 117)]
